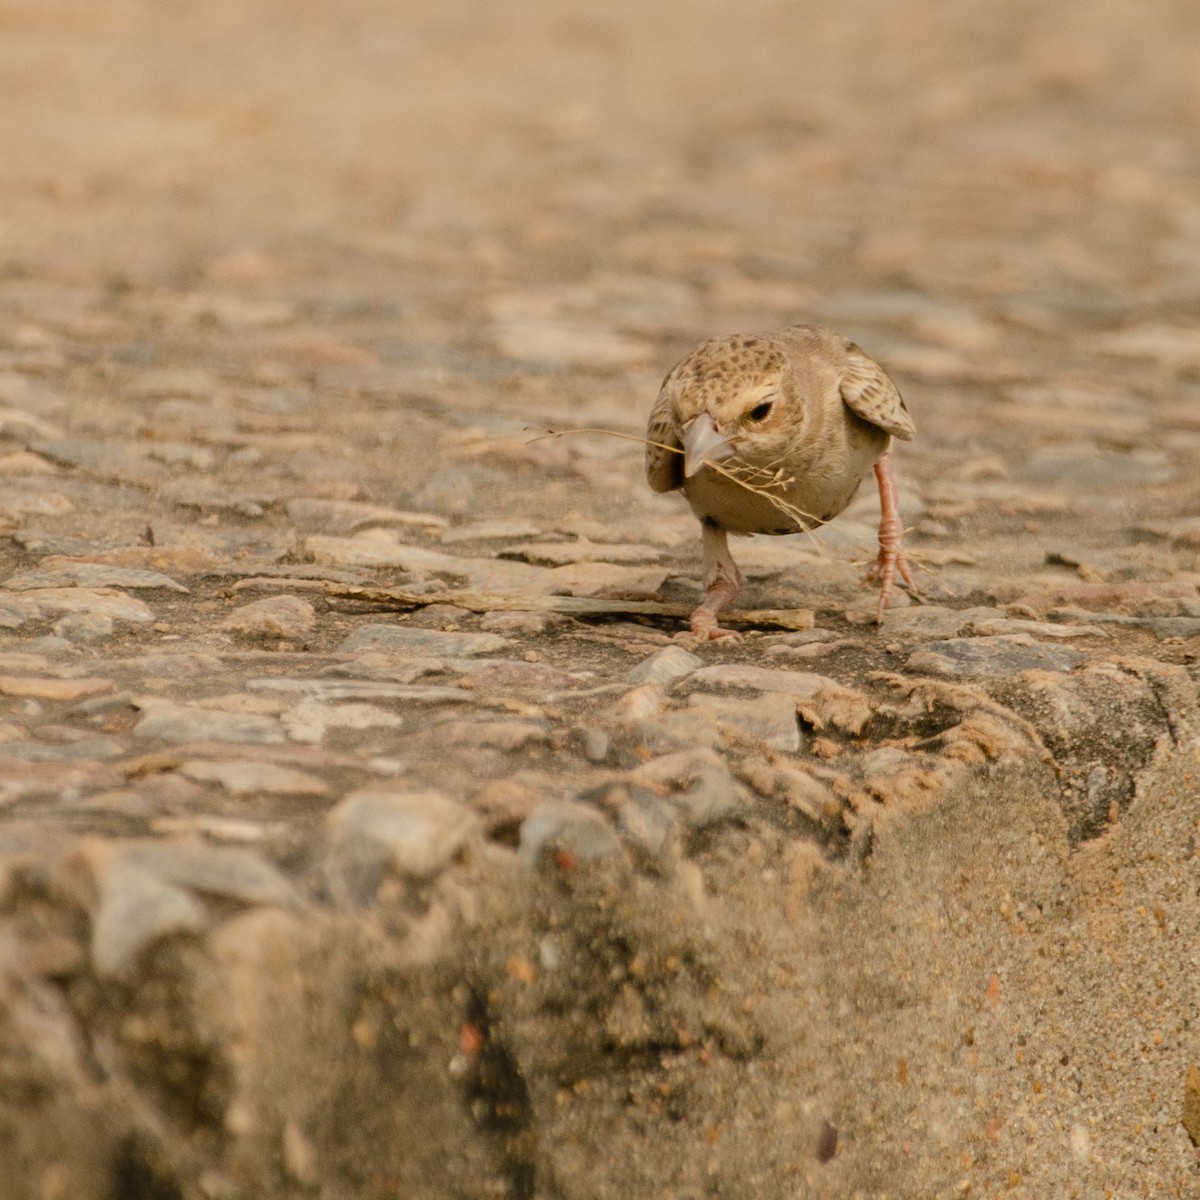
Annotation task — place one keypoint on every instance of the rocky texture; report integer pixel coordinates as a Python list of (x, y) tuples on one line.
[(304, 895)]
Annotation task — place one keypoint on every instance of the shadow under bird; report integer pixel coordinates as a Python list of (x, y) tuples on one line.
[(773, 433)]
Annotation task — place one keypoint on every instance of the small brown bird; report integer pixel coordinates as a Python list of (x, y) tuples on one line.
[(773, 433)]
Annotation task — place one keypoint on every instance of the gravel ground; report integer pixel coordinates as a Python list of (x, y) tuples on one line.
[(306, 891)]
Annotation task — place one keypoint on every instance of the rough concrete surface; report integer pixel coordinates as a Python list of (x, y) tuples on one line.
[(308, 894)]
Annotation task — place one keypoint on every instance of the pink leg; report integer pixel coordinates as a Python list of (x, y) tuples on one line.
[(722, 581), (891, 537)]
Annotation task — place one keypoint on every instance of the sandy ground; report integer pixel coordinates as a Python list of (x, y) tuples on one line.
[(285, 291)]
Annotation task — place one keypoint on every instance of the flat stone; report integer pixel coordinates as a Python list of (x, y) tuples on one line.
[(936, 620), (51, 643), (57, 573), (108, 458), (32, 498), (54, 689), (459, 489), (62, 779), (521, 622), (503, 577), (759, 679), (273, 617), (662, 529), (489, 531), (22, 662), (498, 735), (386, 668), (376, 548), (400, 639), (349, 516), (381, 548), (310, 719), (606, 581), (992, 656), (83, 749), (1171, 627), (770, 717), (210, 496), (160, 764), (84, 627), (801, 638), (418, 833), (242, 778), (811, 651), (497, 674), (361, 689), (1162, 627), (664, 667), (40, 604), (171, 722), (1036, 629), (186, 665)]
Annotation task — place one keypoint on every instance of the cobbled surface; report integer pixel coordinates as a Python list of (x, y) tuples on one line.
[(308, 893)]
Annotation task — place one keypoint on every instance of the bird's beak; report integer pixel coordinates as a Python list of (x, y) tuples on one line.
[(704, 442)]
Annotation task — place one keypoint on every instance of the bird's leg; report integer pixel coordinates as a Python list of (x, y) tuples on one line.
[(722, 581), (891, 540)]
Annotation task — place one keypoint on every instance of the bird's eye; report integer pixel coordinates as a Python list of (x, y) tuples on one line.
[(760, 412)]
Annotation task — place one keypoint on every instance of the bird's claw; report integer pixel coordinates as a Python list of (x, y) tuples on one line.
[(704, 628), (890, 563)]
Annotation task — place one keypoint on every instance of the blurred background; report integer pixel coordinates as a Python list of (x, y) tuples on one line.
[(1001, 148), (516, 216)]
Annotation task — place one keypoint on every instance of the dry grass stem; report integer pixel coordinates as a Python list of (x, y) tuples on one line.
[(759, 480)]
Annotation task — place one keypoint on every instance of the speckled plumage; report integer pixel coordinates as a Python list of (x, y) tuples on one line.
[(803, 415)]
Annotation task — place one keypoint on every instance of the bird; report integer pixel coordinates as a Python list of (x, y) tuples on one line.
[(772, 433)]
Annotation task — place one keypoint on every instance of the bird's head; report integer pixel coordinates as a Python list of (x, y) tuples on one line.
[(735, 397)]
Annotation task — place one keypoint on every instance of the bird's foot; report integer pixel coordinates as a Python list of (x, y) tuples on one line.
[(890, 564), (722, 582), (704, 628)]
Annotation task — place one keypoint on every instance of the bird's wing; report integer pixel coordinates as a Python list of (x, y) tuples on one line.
[(664, 467), (868, 391)]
